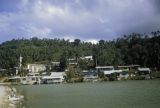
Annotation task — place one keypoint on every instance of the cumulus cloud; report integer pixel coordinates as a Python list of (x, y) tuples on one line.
[(83, 19)]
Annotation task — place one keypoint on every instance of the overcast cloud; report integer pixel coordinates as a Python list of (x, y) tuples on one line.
[(88, 20)]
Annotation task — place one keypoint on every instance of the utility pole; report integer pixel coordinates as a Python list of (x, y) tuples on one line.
[(96, 61), (20, 64)]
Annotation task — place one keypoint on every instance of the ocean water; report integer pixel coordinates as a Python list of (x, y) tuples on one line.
[(116, 94)]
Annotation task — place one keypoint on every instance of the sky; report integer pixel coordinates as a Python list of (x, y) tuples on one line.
[(88, 20)]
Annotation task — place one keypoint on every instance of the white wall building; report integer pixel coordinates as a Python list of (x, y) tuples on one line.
[(104, 68), (36, 67), (87, 58), (55, 77)]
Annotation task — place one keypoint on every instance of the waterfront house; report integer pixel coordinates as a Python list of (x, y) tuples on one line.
[(14, 79), (124, 68), (143, 73), (104, 68), (31, 78), (108, 71), (125, 74), (90, 76), (54, 77), (128, 72), (112, 74)]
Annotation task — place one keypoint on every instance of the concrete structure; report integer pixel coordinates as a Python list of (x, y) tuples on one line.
[(36, 67)]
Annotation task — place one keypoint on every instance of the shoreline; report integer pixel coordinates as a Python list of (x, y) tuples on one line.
[(5, 100), (3, 95)]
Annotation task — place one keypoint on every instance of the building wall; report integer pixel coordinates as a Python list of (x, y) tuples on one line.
[(36, 67)]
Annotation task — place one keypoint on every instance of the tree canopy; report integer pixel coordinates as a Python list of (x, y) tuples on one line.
[(135, 48)]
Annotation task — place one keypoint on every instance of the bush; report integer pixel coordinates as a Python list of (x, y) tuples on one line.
[(156, 74)]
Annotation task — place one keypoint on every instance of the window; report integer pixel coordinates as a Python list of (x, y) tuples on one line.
[(33, 79)]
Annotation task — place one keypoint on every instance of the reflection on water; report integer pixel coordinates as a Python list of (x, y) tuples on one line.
[(118, 94)]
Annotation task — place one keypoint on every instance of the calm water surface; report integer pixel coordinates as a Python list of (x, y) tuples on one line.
[(118, 94)]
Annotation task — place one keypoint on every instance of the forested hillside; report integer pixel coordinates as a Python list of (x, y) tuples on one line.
[(131, 49)]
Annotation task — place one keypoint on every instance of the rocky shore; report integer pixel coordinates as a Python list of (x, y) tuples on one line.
[(10, 98), (3, 95)]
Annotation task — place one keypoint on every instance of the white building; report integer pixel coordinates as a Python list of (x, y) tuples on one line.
[(55, 77), (104, 68), (144, 72), (55, 63), (30, 80), (87, 58), (147, 70), (36, 67), (90, 76)]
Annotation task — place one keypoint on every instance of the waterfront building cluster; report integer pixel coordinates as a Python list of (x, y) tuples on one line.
[(38, 73)]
